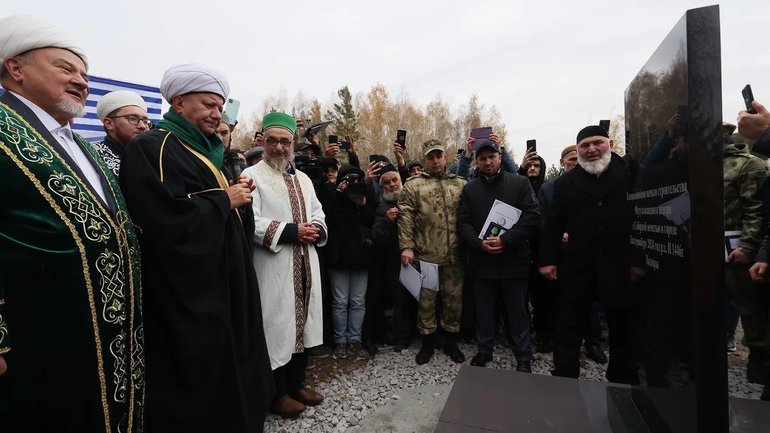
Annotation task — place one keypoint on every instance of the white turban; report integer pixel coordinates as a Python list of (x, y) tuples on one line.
[(193, 77), (118, 99), (21, 33)]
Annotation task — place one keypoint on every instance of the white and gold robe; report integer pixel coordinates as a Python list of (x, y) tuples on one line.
[(292, 321)]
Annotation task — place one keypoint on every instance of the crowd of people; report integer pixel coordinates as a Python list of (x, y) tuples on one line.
[(159, 280)]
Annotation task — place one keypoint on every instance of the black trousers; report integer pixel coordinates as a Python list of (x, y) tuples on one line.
[(513, 293), (570, 328), (404, 305), (543, 294), (290, 378)]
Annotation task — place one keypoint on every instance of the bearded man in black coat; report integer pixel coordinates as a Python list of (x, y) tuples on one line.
[(589, 204)]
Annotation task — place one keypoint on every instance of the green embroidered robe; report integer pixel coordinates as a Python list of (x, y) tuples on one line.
[(70, 319)]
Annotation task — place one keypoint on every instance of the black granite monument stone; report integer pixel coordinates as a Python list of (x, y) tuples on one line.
[(674, 153)]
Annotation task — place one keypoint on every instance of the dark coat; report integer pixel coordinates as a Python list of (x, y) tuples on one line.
[(384, 232), (597, 217), (350, 244), (208, 366), (475, 203)]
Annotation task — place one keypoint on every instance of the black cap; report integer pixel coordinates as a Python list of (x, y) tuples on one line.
[(592, 131), (308, 145), (386, 168), (484, 143)]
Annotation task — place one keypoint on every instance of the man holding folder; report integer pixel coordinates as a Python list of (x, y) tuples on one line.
[(499, 250)]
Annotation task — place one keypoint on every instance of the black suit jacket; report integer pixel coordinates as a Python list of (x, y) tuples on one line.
[(16, 105)]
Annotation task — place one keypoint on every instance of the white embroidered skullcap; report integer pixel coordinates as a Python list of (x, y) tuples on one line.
[(193, 77), (21, 33), (118, 99)]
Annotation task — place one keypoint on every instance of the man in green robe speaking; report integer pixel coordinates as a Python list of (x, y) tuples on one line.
[(207, 364), (71, 336)]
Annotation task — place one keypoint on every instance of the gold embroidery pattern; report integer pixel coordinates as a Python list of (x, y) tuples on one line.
[(3, 329), (299, 307), (128, 253), (270, 233), (28, 146), (118, 351), (137, 358), (86, 278), (110, 268), (128, 247), (305, 249), (80, 206)]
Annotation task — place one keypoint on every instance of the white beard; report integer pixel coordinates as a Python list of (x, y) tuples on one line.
[(596, 167), (75, 110), (391, 196), (280, 164)]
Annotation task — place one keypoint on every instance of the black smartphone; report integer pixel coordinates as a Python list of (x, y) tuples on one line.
[(377, 157), (345, 145), (748, 98), (532, 144), (460, 151), (401, 138), (605, 124), (333, 139)]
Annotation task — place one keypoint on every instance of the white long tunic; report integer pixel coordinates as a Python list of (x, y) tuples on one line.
[(292, 321)]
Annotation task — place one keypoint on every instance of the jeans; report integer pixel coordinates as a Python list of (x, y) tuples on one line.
[(348, 300), (514, 296)]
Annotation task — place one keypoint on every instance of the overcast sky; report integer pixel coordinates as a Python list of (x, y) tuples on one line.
[(549, 67)]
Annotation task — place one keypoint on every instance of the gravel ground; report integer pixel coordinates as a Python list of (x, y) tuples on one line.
[(354, 389)]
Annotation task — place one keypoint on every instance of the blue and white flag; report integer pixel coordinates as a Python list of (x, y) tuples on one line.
[(90, 127)]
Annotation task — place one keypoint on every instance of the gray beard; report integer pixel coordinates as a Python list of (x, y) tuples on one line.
[(596, 167), (75, 110), (280, 164), (391, 196)]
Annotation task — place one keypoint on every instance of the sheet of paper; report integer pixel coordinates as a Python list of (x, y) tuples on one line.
[(429, 273), (732, 241), (411, 279), (501, 218)]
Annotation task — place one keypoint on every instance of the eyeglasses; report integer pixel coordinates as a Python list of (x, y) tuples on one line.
[(134, 120), (272, 141)]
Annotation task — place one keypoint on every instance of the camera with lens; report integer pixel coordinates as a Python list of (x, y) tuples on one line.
[(313, 166), (354, 179)]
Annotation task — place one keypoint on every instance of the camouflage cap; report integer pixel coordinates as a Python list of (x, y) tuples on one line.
[(431, 145)]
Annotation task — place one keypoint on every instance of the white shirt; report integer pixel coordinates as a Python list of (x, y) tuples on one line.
[(65, 137)]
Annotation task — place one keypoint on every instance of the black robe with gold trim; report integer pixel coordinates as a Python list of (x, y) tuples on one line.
[(207, 364)]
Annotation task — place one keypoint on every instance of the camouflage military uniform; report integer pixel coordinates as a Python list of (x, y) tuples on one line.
[(744, 175), (428, 226)]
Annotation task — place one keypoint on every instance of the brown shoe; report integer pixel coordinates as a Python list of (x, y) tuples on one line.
[(287, 407), (308, 397)]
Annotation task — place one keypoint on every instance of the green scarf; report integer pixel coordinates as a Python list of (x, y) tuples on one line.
[(211, 147)]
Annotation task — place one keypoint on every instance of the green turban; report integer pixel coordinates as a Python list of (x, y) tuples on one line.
[(280, 120)]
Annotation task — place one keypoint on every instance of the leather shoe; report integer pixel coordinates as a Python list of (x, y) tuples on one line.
[(595, 353), (401, 346), (308, 397), (524, 367), (481, 359), (287, 407)]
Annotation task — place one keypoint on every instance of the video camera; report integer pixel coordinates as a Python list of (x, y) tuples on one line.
[(313, 166)]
